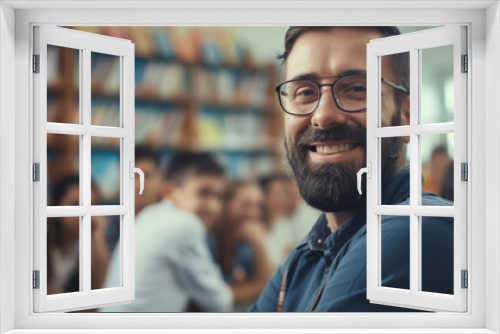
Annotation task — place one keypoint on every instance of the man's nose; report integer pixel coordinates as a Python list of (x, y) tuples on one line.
[(328, 114)]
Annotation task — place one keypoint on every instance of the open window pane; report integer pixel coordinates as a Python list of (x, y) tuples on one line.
[(63, 84), (395, 243), (395, 154), (105, 171), (435, 266), (437, 164), (437, 261), (106, 251), (105, 89), (63, 170), (437, 91), (63, 255), (394, 89), (63, 189)]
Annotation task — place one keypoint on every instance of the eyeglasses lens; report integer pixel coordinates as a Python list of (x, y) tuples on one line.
[(302, 97)]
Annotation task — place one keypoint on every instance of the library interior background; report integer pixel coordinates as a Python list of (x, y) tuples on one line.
[(197, 89)]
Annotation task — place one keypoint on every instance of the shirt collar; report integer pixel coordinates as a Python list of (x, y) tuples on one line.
[(395, 191)]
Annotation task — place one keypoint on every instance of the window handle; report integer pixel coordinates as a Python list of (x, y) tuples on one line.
[(138, 171), (366, 170)]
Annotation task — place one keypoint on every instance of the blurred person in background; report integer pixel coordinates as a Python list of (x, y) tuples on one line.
[(436, 169), (147, 160), (278, 209), (238, 242), (279, 201), (173, 262), (289, 218), (447, 187), (174, 266), (303, 215), (63, 239)]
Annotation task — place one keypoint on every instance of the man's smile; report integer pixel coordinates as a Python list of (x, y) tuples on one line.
[(332, 150)]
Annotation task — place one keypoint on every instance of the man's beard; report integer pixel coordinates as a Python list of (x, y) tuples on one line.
[(332, 187)]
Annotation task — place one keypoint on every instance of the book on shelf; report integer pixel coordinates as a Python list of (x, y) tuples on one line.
[(158, 127), (231, 131), (143, 40), (163, 41), (105, 113), (244, 166)]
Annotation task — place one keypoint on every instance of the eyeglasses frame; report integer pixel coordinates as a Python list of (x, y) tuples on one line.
[(332, 85)]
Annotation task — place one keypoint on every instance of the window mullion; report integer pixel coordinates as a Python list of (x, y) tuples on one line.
[(85, 178), (414, 172)]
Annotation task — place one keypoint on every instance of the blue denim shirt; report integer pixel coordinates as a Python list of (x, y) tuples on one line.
[(341, 256)]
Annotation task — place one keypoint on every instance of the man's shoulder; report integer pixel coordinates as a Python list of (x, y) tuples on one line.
[(431, 199)]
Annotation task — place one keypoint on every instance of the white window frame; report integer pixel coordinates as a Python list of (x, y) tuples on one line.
[(414, 43), (16, 217), (85, 43)]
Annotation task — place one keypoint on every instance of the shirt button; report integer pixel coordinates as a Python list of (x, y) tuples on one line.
[(320, 241)]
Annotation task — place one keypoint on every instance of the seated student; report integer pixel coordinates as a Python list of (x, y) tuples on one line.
[(238, 242), (172, 262), (174, 266), (278, 209)]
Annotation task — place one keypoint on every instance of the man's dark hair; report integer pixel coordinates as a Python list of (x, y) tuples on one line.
[(400, 63), (199, 163), (142, 152), (266, 180)]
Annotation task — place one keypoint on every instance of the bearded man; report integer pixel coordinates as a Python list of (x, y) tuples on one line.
[(324, 98)]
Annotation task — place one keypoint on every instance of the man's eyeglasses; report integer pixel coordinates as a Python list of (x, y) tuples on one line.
[(302, 97)]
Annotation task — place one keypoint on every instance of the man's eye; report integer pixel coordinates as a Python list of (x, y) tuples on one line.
[(306, 92), (354, 92), (358, 89)]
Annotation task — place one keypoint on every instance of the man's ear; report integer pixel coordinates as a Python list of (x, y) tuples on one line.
[(405, 116)]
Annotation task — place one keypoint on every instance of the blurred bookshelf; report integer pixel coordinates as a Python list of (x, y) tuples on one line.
[(196, 89)]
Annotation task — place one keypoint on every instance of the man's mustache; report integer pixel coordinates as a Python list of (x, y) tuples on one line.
[(338, 133)]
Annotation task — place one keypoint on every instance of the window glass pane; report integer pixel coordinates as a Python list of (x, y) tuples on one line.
[(105, 171), (106, 252), (63, 255), (105, 89), (437, 164), (437, 254), (63, 170), (395, 89), (395, 156), (395, 241), (437, 91), (63, 83)]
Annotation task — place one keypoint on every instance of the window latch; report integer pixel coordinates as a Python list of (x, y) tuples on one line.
[(368, 171), (138, 171)]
